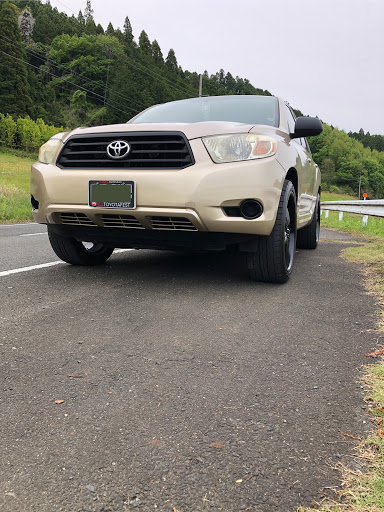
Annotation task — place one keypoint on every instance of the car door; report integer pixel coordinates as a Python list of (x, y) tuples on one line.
[(307, 180)]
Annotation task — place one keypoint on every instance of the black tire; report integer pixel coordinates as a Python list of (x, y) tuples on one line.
[(74, 252), (272, 259), (308, 237)]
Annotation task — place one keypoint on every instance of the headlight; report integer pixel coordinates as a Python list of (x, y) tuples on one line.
[(48, 150), (243, 146)]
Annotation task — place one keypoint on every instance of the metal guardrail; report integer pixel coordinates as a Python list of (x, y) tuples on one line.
[(373, 208)]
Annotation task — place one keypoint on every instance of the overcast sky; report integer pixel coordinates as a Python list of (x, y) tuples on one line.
[(323, 56)]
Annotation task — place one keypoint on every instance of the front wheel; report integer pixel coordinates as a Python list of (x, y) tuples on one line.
[(74, 252), (272, 258)]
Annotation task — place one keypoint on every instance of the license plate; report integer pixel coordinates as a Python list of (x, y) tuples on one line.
[(112, 194)]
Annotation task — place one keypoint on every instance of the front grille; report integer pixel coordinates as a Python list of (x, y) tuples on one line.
[(148, 150), (120, 221), (172, 223), (78, 219)]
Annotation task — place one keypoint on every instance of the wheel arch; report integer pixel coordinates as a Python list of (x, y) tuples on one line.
[(293, 178)]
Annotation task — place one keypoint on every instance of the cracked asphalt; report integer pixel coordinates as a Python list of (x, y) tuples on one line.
[(181, 385)]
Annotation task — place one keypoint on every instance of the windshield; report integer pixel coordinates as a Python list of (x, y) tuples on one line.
[(238, 109)]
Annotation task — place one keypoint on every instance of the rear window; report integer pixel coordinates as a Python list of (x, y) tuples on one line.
[(238, 109)]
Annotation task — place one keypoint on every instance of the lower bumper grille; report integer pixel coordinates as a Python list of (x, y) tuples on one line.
[(128, 222), (120, 221), (173, 223), (77, 219)]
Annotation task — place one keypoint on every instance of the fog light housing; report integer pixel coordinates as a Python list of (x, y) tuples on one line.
[(251, 209)]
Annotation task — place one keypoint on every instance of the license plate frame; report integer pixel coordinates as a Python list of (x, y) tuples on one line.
[(103, 194)]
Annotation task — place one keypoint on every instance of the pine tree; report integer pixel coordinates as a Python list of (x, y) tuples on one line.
[(171, 61), (110, 30), (127, 31), (157, 53), (44, 29), (14, 88), (144, 42), (80, 18), (90, 27), (119, 35)]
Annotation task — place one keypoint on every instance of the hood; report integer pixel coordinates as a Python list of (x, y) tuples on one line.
[(191, 130)]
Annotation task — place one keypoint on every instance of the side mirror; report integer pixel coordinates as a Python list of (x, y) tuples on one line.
[(307, 127)]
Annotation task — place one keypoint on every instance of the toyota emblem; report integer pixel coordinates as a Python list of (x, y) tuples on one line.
[(118, 149)]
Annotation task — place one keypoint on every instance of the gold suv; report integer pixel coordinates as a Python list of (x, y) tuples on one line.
[(197, 174)]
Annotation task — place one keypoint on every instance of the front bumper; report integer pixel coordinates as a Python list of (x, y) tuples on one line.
[(197, 193)]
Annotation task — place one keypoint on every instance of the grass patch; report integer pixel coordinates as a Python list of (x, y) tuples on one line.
[(353, 223), (15, 205), (19, 152), (363, 491), (331, 196)]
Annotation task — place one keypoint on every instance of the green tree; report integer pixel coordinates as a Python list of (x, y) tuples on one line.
[(14, 86), (80, 18), (8, 129), (157, 53), (110, 30), (44, 29), (144, 42), (119, 35), (171, 61), (127, 31), (90, 27)]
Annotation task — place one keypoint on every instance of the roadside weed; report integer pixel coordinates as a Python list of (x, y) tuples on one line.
[(15, 203), (331, 196)]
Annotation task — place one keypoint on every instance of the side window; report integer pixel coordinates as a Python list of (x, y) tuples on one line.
[(306, 145), (290, 119)]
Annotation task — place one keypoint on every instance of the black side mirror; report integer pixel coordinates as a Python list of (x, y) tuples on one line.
[(307, 127)]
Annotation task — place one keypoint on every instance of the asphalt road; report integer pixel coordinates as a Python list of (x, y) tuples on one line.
[(183, 385)]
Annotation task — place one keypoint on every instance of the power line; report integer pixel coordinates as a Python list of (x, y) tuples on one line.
[(181, 89), (71, 71), (71, 83), (69, 9)]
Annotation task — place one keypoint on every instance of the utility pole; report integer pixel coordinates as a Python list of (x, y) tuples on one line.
[(201, 86), (359, 187)]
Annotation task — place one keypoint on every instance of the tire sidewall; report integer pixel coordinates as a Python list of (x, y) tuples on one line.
[(287, 202)]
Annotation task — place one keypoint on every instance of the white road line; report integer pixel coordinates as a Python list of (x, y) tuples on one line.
[(16, 224), (44, 265), (34, 234), (27, 269)]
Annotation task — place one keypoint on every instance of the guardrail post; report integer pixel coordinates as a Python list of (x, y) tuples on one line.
[(326, 214), (340, 216), (365, 220)]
